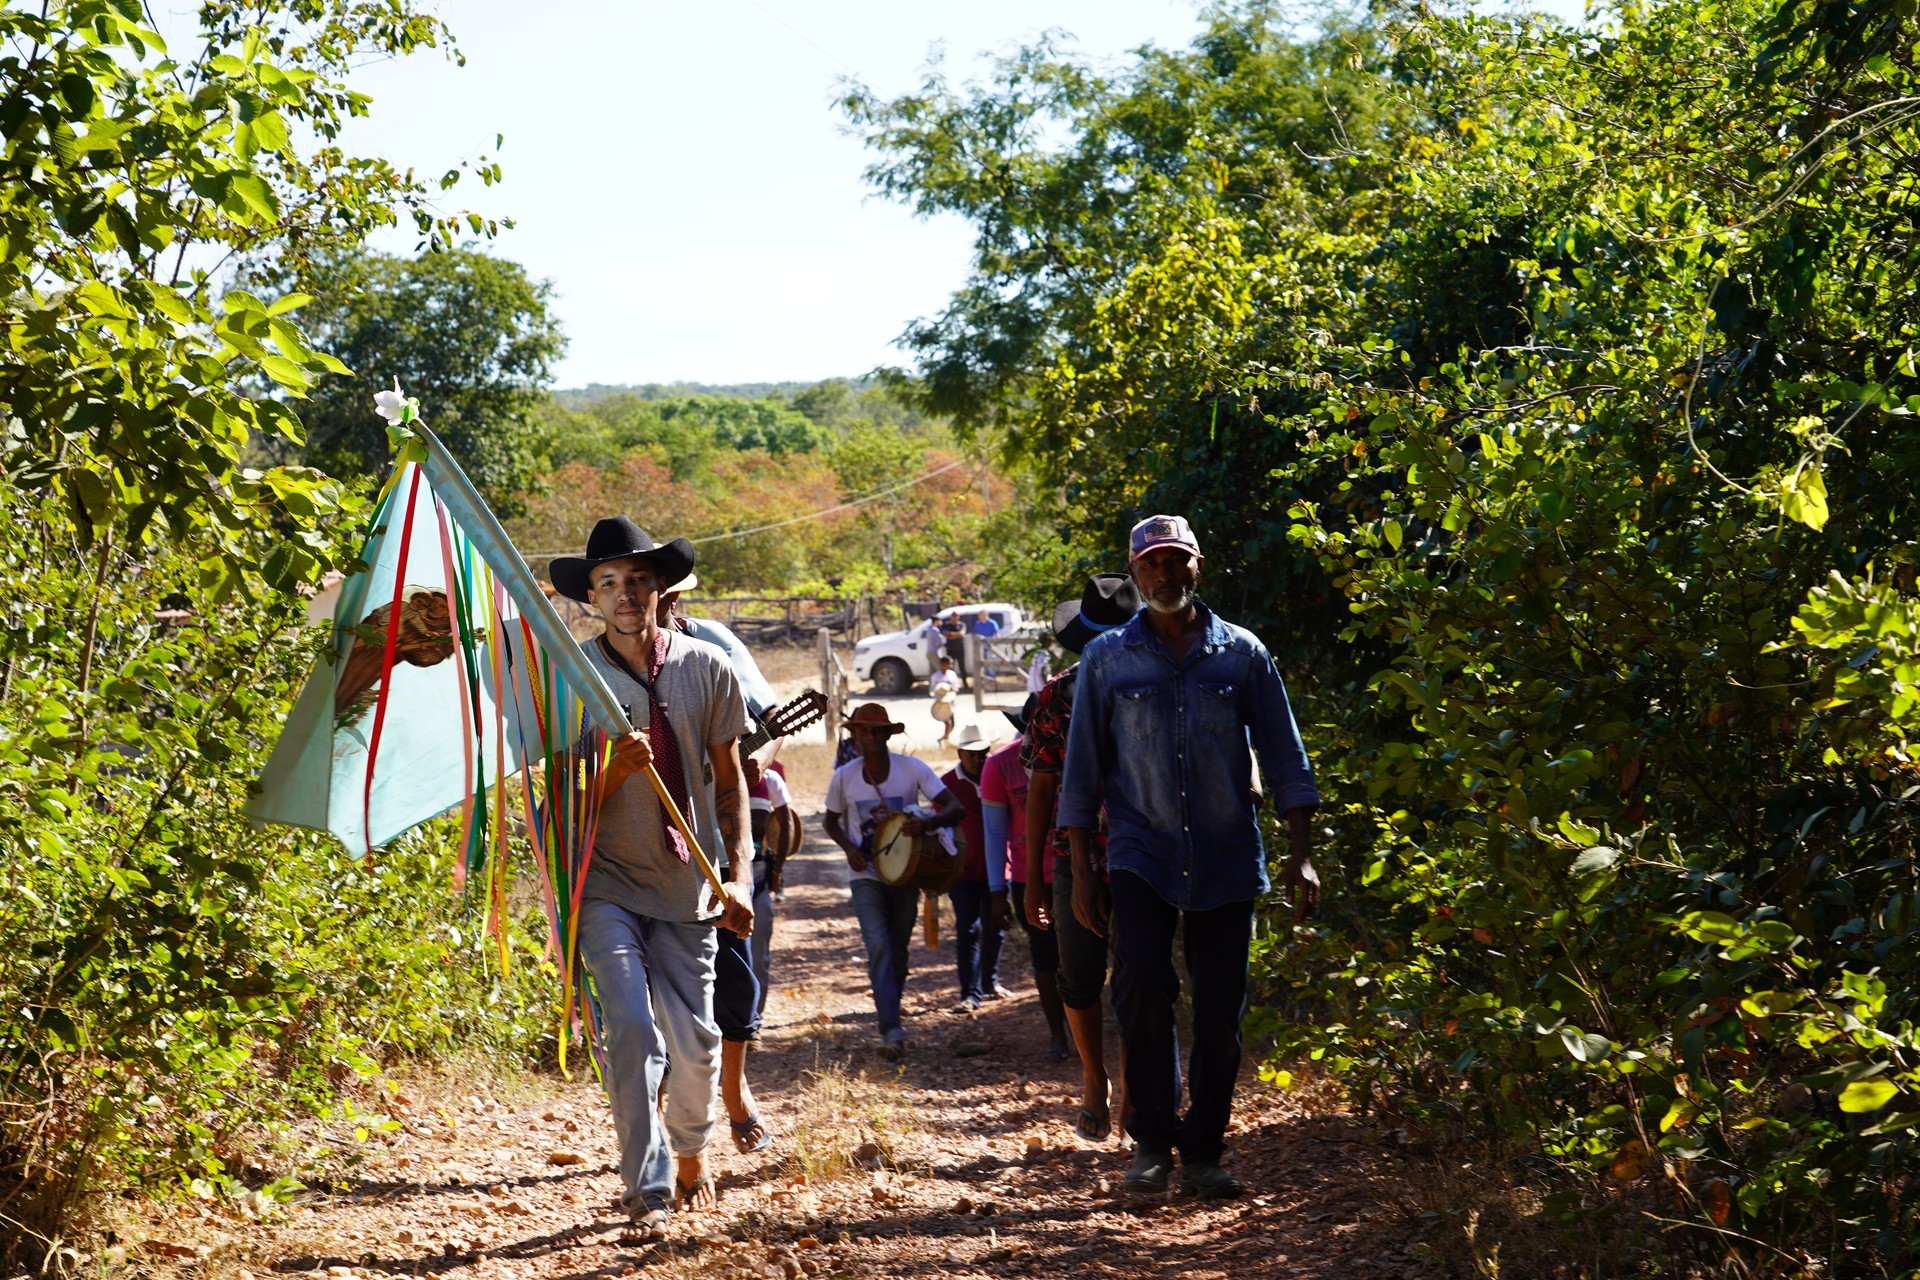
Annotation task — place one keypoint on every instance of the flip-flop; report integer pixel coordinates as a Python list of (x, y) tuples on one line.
[(1092, 1127), (683, 1193), (742, 1135), (1056, 1053)]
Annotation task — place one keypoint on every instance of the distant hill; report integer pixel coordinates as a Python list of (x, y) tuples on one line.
[(580, 397)]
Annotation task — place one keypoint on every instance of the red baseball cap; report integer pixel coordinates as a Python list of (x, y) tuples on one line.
[(1162, 531)]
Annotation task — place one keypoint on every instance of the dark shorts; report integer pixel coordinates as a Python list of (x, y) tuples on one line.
[(736, 992), (1041, 943), (1083, 953)]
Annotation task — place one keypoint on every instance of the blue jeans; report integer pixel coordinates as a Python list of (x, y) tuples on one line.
[(886, 916), (1145, 988), (762, 946), (654, 981), (976, 943)]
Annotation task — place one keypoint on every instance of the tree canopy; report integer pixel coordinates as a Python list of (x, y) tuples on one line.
[(466, 332), (1544, 396)]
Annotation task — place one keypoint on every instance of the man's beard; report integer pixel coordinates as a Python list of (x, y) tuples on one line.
[(1179, 604)]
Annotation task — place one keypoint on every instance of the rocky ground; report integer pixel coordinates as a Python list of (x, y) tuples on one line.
[(960, 1161)]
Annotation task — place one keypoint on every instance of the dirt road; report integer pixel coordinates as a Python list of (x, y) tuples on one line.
[(961, 1161)]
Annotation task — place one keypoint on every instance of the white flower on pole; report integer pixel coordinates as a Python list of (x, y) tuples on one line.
[(395, 405)]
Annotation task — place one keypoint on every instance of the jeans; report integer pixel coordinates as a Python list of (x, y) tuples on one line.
[(976, 942), (1166, 751), (654, 982), (886, 916), (762, 945), (1145, 989), (1083, 953)]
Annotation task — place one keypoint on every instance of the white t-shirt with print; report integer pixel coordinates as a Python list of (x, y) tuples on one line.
[(861, 805)]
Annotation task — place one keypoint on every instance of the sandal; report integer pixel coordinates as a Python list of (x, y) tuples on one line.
[(1056, 1053), (743, 1139), (1094, 1128), (683, 1193), (646, 1227)]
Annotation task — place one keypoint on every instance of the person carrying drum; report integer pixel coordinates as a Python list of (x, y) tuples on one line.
[(860, 795), (976, 925), (647, 916), (1109, 601), (1169, 713)]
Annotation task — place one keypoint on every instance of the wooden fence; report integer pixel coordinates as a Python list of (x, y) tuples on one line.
[(758, 620)]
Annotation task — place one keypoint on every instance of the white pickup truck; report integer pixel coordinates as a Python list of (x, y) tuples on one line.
[(894, 660)]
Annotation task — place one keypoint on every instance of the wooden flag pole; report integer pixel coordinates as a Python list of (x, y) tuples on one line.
[(680, 821), (484, 531)]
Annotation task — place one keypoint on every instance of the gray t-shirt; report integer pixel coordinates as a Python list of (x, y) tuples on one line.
[(633, 864)]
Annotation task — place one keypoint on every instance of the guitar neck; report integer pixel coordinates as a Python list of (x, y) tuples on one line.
[(755, 740)]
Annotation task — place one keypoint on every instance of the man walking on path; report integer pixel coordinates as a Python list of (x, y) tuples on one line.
[(1003, 817), (860, 794), (976, 929), (1165, 712), (647, 916), (1109, 601)]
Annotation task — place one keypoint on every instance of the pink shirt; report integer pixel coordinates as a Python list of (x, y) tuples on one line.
[(1004, 780)]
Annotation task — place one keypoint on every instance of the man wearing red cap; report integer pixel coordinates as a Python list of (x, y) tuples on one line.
[(860, 794), (1170, 711)]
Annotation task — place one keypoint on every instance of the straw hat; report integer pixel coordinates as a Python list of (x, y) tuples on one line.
[(874, 713), (971, 739)]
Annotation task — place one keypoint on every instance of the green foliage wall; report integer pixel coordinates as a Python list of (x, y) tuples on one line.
[(1548, 408), (170, 976), (464, 331)]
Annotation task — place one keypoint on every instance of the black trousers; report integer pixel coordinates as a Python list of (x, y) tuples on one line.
[(1145, 989)]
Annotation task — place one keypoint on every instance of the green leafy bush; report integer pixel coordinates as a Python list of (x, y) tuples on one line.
[(1548, 406)]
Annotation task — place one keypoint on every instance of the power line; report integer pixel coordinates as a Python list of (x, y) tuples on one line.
[(821, 49), (848, 505), (845, 506)]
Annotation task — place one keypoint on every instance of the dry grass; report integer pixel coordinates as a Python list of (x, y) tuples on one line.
[(784, 663), (809, 764), (849, 1122)]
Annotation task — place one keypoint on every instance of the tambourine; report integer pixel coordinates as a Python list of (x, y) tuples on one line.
[(912, 862)]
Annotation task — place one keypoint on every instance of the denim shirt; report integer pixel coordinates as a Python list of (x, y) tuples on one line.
[(1169, 747)]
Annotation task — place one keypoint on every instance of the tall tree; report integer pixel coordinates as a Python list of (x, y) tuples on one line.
[(470, 334)]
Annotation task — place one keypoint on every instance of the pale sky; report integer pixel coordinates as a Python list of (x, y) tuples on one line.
[(678, 171)]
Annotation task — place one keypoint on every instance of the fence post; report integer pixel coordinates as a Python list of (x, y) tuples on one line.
[(974, 673), (829, 685)]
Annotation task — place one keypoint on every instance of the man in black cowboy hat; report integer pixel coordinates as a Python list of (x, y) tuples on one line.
[(1108, 601), (647, 915), (860, 794)]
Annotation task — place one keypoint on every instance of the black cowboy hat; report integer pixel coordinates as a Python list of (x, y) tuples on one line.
[(1109, 601), (1018, 719), (616, 538)]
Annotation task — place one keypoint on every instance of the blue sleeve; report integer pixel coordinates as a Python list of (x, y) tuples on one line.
[(993, 818), (1276, 739), (1087, 736), (754, 688)]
